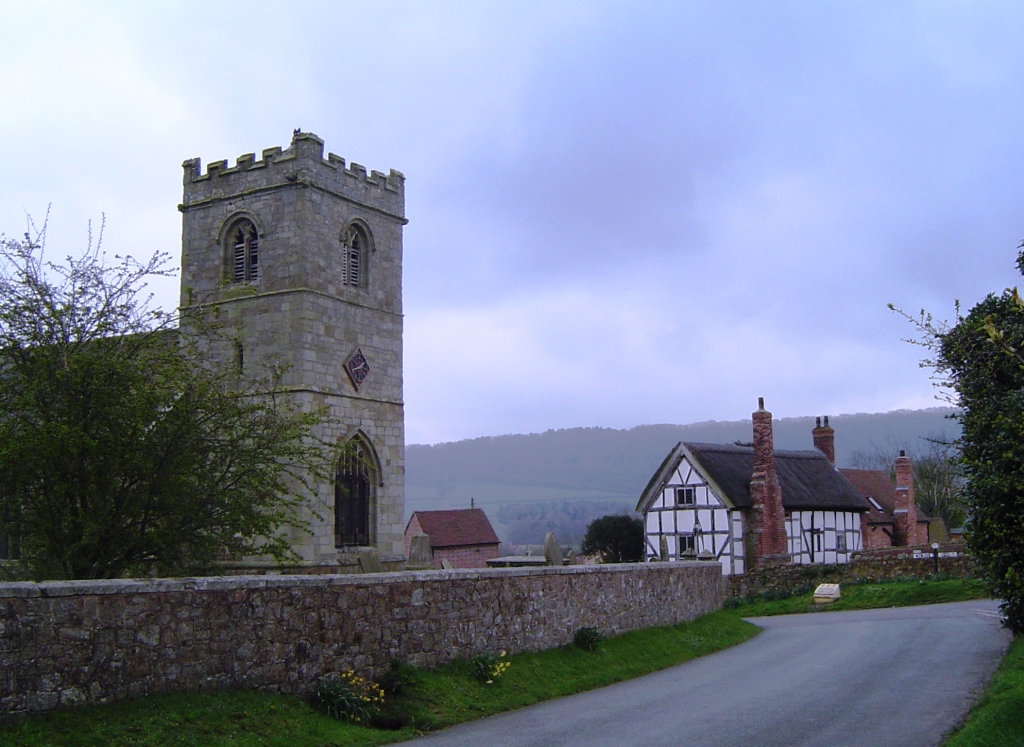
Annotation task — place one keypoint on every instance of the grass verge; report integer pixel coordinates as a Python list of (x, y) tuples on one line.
[(239, 718), (421, 699), (998, 718), (869, 596), (449, 695)]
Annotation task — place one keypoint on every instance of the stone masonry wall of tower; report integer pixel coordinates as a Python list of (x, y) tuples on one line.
[(302, 310)]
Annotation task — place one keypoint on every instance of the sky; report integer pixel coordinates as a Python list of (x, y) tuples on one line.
[(619, 213)]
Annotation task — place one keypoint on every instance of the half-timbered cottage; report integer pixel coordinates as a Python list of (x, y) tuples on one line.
[(749, 506)]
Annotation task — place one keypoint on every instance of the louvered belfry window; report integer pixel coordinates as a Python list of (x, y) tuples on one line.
[(352, 492), (353, 246), (245, 248)]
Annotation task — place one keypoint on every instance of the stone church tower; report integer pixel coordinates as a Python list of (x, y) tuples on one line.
[(302, 256)]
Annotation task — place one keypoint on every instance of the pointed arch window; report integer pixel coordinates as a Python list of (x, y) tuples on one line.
[(244, 250), (354, 491), (354, 244)]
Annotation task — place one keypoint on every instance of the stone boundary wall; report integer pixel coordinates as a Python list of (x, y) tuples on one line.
[(77, 642), (886, 564)]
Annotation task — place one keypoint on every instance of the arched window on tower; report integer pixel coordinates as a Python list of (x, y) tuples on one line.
[(353, 256), (244, 250), (354, 491)]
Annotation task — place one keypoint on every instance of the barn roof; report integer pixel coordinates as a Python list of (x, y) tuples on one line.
[(808, 479), (456, 527)]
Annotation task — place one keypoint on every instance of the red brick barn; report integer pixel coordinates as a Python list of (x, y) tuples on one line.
[(462, 536)]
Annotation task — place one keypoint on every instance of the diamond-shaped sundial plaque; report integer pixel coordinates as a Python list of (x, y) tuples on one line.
[(357, 367)]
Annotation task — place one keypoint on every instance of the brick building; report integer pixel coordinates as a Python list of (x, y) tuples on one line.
[(464, 537), (894, 519)]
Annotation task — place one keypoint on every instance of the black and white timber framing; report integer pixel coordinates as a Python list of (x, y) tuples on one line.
[(695, 506)]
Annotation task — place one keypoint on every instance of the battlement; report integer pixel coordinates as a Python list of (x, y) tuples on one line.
[(301, 163)]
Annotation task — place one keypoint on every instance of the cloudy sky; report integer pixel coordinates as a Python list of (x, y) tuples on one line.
[(617, 215)]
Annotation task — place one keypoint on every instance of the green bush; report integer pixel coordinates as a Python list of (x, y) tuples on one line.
[(349, 697), (587, 639)]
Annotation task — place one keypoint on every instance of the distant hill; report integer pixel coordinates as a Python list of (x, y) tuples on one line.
[(561, 479)]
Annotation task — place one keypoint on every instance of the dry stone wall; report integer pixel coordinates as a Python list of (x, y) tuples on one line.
[(77, 642)]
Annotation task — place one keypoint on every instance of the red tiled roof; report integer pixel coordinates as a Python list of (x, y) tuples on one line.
[(874, 483), (466, 526)]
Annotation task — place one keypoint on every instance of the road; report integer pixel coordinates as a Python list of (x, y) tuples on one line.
[(870, 678)]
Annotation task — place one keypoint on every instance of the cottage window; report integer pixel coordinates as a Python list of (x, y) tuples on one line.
[(353, 256), (841, 542), (686, 496), (687, 544), (244, 245)]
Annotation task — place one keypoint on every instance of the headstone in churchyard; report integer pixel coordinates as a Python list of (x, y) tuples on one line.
[(570, 558), (664, 547), (369, 562), (552, 550), (421, 557), (446, 564)]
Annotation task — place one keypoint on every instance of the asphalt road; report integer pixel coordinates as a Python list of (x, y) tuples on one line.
[(870, 678)]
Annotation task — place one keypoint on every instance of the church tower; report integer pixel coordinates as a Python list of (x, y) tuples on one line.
[(302, 256)]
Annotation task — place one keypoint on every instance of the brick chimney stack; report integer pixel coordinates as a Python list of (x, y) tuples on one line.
[(767, 523), (824, 439), (905, 513)]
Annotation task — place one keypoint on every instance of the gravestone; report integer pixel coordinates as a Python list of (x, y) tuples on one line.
[(552, 550), (571, 558), (369, 562), (446, 564), (664, 548), (421, 557)]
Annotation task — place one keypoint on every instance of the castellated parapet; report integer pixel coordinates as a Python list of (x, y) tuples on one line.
[(301, 257), (302, 163)]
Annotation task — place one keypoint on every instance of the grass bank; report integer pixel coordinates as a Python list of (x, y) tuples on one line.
[(867, 596), (998, 718)]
